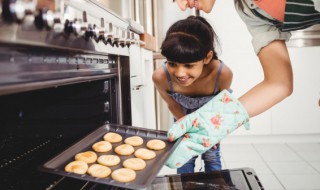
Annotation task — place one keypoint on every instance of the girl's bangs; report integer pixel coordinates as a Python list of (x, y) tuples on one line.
[(182, 49)]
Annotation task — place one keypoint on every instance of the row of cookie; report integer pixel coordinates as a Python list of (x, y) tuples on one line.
[(154, 144), (112, 160), (125, 174)]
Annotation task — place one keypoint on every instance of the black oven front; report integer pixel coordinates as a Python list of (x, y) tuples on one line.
[(64, 72)]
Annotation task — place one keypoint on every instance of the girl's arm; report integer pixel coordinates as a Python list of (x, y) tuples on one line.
[(277, 83), (160, 81)]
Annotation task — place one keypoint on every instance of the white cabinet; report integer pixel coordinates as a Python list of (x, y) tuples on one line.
[(149, 90), (300, 113), (142, 90)]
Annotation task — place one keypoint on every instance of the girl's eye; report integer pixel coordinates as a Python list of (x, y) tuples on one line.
[(188, 66), (171, 64)]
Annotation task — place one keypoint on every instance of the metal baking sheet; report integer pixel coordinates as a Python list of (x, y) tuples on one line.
[(144, 177)]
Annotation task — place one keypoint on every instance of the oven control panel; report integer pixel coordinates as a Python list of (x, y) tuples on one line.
[(73, 24)]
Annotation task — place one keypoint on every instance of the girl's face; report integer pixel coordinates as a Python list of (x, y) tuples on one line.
[(184, 74), (204, 5)]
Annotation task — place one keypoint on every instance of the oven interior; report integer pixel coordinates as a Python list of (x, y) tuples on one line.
[(37, 125)]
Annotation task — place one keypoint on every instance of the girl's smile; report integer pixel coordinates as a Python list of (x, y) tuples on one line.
[(183, 80)]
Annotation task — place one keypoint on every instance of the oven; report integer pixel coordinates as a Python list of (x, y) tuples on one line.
[(64, 72)]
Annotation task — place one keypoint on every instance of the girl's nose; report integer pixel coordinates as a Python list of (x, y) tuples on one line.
[(180, 72)]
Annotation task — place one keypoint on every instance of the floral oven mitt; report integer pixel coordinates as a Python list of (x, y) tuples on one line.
[(205, 127)]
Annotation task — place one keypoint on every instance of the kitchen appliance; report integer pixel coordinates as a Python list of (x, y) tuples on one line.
[(64, 72)]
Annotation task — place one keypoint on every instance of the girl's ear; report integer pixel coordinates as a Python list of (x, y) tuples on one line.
[(208, 58)]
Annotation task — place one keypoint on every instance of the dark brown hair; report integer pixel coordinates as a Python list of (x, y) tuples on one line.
[(189, 40)]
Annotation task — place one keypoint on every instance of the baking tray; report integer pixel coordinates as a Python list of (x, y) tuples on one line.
[(144, 177)]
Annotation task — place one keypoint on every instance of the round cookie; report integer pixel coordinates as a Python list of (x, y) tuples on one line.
[(112, 137), (145, 154), (123, 175), (124, 149), (134, 141), (78, 167), (100, 171), (134, 163), (156, 144), (88, 157), (102, 146), (109, 160)]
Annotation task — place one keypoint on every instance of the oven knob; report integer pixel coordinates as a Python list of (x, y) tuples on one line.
[(69, 27), (44, 19), (77, 24), (16, 10), (91, 31), (101, 31), (109, 35), (6, 14), (83, 24), (122, 39), (57, 25), (116, 37), (128, 40)]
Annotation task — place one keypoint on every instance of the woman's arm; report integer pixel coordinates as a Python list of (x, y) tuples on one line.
[(277, 83), (160, 81)]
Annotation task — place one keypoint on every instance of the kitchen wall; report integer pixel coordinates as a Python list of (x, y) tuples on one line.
[(298, 114)]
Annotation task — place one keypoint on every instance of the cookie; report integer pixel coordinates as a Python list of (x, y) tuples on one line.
[(109, 160), (100, 171), (145, 154), (156, 144), (134, 163), (88, 157), (102, 146), (134, 141), (112, 137), (123, 175), (78, 167), (124, 149)]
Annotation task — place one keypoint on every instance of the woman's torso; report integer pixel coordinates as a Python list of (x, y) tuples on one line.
[(287, 15)]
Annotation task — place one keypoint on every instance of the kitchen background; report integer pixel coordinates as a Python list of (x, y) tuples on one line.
[(283, 143), (297, 115)]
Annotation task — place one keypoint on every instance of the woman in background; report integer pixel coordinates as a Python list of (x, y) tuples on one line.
[(269, 23)]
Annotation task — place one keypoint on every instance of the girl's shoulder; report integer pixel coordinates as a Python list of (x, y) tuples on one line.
[(159, 79), (159, 75)]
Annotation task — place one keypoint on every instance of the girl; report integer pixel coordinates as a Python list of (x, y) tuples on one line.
[(269, 23), (191, 76)]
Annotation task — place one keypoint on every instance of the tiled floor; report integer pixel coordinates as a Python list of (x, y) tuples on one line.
[(285, 166)]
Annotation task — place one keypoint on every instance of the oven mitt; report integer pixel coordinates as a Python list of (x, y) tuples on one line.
[(206, 127)]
